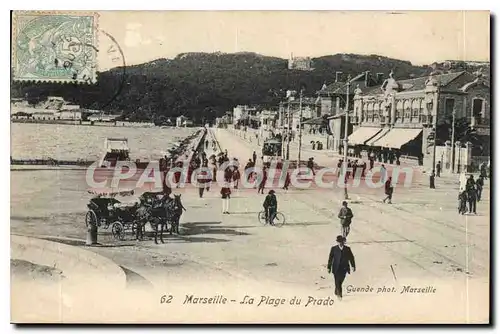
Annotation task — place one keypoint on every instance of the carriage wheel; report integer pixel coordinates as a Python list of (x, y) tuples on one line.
[(118, 231), (90, 218)]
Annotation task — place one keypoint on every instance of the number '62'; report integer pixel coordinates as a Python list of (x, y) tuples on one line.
[(166, 299)]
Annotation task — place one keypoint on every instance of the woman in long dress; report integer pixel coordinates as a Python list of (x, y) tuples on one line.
[(226, 196)]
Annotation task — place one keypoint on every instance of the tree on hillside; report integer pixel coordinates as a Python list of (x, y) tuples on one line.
[(193, 82)]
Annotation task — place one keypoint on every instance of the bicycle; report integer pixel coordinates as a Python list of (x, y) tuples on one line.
[(279, 218)]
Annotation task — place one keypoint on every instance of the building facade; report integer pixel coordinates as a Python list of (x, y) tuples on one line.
[(289, 111), (242, 113), (300, 63), (70, 114), (332, 100), (268, 119), (400, 118)]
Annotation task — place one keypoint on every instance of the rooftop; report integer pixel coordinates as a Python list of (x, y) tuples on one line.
[(419, 83), (340, 87)]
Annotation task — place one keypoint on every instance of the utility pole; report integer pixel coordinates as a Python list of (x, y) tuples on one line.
[(290, 97), (300, 128), (346, 128), (433, 174), (453, 141), (288, 131)]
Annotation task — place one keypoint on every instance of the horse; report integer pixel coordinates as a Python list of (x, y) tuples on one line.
[(173, 211), (159, 212), (152, 210)]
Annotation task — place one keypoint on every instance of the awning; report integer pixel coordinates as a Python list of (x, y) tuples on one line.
[(377, 137), (362, 135), (397, 138)]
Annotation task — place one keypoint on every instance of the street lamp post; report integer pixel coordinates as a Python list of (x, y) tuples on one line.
[(290, 96), (300, 128), (288, 131), (453, 141), (434, 121), (346, 129)]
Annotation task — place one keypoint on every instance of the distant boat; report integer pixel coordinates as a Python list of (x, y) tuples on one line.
[(117, 149)]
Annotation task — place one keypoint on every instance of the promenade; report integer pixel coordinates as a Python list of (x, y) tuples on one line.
[(420, 240)]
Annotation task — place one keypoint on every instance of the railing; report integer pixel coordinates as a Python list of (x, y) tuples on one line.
[(482, 121)]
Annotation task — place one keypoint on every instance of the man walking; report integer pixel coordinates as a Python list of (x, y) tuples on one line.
[(310, 165), (389, 189), (287, 181), (339, 262), (254, 157), (345, 216), (262, 183), (371, 158), (479, 187), (471, 194), (438, 169)]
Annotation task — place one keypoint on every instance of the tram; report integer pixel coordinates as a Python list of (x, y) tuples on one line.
[(271, 149)]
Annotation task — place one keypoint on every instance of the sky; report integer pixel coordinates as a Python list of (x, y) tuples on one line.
[(421, 37)]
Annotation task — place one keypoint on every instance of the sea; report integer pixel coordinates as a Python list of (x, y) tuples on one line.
[(72, 142)]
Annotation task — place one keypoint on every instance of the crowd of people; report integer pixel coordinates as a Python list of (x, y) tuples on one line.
[(341, 258)]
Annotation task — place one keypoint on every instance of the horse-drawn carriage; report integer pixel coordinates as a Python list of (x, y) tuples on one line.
[(105, 211), (154, 208)]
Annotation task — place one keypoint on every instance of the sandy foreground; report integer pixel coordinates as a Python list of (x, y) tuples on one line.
[(417, 242)]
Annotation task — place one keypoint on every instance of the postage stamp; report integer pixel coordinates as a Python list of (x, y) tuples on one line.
[(54, 46)]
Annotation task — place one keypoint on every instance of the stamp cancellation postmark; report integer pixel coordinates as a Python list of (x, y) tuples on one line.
[(54, 46)]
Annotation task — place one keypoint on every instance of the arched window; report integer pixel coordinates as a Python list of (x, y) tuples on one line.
[(363, 112), (415, 110), (370, 111), (477, 107), (407, 110), (399, 111)]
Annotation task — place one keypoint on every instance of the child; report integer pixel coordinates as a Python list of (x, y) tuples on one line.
[(462, 202)]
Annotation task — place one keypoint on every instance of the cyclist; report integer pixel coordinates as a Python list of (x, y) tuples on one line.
[(270, 207)]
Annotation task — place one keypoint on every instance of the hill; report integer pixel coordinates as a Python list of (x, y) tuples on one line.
[(203, 85)]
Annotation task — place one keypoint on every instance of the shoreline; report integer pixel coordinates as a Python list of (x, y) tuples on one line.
[(122, 124)]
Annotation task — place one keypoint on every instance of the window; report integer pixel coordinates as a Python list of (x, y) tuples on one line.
[(399, 111), (407, 111), (449, 105), (477, 110), (370, 111), (415, 111)]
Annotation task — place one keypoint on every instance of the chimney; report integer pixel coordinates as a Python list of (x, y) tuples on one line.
[(380, 78), (367, 78), (337, 76)]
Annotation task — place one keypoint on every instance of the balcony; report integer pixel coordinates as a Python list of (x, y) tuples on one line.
[(479, 121)]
